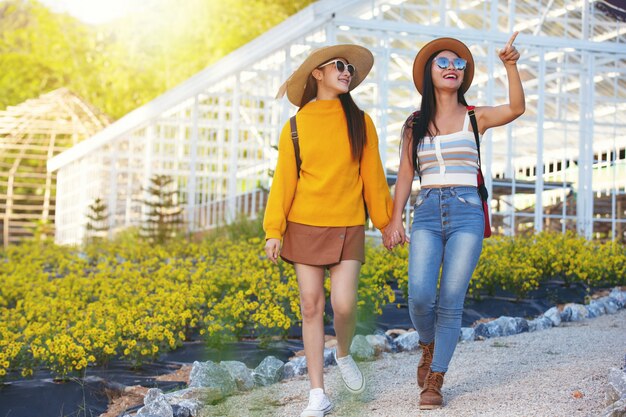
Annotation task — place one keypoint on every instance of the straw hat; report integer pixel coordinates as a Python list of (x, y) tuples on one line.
[(443, 44), (360, 57)]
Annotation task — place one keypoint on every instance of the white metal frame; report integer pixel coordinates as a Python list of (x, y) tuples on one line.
[(216, 133)]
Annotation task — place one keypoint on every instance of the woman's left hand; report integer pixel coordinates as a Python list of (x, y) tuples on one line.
[(509, 54)]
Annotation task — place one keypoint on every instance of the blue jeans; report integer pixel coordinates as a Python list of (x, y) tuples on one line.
[(446, 237)]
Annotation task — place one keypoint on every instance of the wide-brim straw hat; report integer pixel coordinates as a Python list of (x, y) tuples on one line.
[(360, 57), (443, 44)]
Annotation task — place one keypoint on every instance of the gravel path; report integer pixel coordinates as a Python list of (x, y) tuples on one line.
[(530, 374)]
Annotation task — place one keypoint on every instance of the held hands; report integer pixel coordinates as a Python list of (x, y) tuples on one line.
[(509, 54), (394, 235), (272, 249)]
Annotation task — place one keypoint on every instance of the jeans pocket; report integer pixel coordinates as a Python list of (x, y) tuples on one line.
[(471, 198), (419, 200)]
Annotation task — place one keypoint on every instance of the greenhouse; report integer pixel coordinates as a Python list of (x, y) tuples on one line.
[(30, 134), (561, 166)]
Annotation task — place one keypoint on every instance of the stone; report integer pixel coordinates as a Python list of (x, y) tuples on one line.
[(210, 375), (610, 305), (240, 373), (511, 325), (380, 343), (540, 323), (329, 357), (573, 312), (466, 334), (619, 296), (487, 330), (296, 366), (361, 350), (595, 309), (554, 315), (269, 371), (616, 389), (180, 411), (407, 342), (156, 405), (617, 409)]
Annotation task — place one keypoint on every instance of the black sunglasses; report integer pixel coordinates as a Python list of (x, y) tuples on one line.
[(341, 66), (443, 63)]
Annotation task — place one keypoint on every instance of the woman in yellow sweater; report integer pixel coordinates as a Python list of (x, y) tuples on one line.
[(318, 210)]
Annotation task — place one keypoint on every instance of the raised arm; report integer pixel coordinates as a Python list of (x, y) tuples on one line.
[(490, 116)]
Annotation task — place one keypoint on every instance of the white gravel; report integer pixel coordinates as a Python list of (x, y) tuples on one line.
[(530, 374)]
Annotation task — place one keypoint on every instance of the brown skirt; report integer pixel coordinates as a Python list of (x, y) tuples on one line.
[(322, 246)]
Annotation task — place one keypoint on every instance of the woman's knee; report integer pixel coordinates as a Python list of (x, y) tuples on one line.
[(421, 304), (343, 309), (311, 308)]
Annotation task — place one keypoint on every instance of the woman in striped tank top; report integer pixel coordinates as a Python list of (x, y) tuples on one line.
[(448, 222)]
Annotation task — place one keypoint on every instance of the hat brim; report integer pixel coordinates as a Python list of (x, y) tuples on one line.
[(360, 57), (443, 44)]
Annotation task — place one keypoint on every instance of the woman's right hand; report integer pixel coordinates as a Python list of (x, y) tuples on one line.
[(272, 249), (394, 234)]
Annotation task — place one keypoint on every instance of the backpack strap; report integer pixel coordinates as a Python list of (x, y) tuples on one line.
[(472, 117), (482, 189), (296, 145)]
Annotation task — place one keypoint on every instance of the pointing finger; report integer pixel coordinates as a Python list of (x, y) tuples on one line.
[(511, 40)]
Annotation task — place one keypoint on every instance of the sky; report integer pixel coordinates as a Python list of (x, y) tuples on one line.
[(94, 11)]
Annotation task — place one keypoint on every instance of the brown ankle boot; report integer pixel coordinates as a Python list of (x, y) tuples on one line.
[(431, 397), (424, 365)]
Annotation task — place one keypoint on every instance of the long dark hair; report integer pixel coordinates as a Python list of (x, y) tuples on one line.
[(420, 121), (354, 116)]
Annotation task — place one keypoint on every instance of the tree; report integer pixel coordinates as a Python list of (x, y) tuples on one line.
[(98, 224), (163, 217)]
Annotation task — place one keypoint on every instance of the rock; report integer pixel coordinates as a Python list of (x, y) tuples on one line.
[(380, 343), (210, 375), (512, 325), (595, 309), (466, 335), (407, 342), (156, 405), (619, 296), (573, 312), (329, 357), (617, 386), (296, 366), (395, 332), (269, 371), (194, 396), (554, 315), (610, 304), (487, 330), (180, 411), (240, 373), (617, 409), (541, 323), (192, 405), (360, 349)]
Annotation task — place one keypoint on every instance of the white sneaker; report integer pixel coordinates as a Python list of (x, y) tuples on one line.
[(351, 374), (319, 404)]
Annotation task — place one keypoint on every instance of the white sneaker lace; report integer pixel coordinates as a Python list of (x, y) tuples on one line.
[(350, 372)]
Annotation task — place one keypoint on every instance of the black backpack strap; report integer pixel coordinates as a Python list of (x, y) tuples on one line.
[(296, 145), (472, 116), (482, 190)]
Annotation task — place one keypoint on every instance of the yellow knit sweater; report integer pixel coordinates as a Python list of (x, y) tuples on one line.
[(330, 189)]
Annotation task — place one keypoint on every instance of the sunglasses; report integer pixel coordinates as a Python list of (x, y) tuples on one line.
[(443, 63), (341, 66)]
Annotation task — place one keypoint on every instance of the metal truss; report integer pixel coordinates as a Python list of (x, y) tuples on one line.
[(560, 166)]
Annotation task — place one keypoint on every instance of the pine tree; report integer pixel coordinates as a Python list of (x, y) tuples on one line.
[(164, 218), (98, 224)]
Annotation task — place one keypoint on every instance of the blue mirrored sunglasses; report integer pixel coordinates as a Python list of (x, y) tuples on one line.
[(341, 66), (458, 63)]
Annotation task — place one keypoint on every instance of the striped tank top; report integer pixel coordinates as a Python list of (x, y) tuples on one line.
[(450, 159)]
